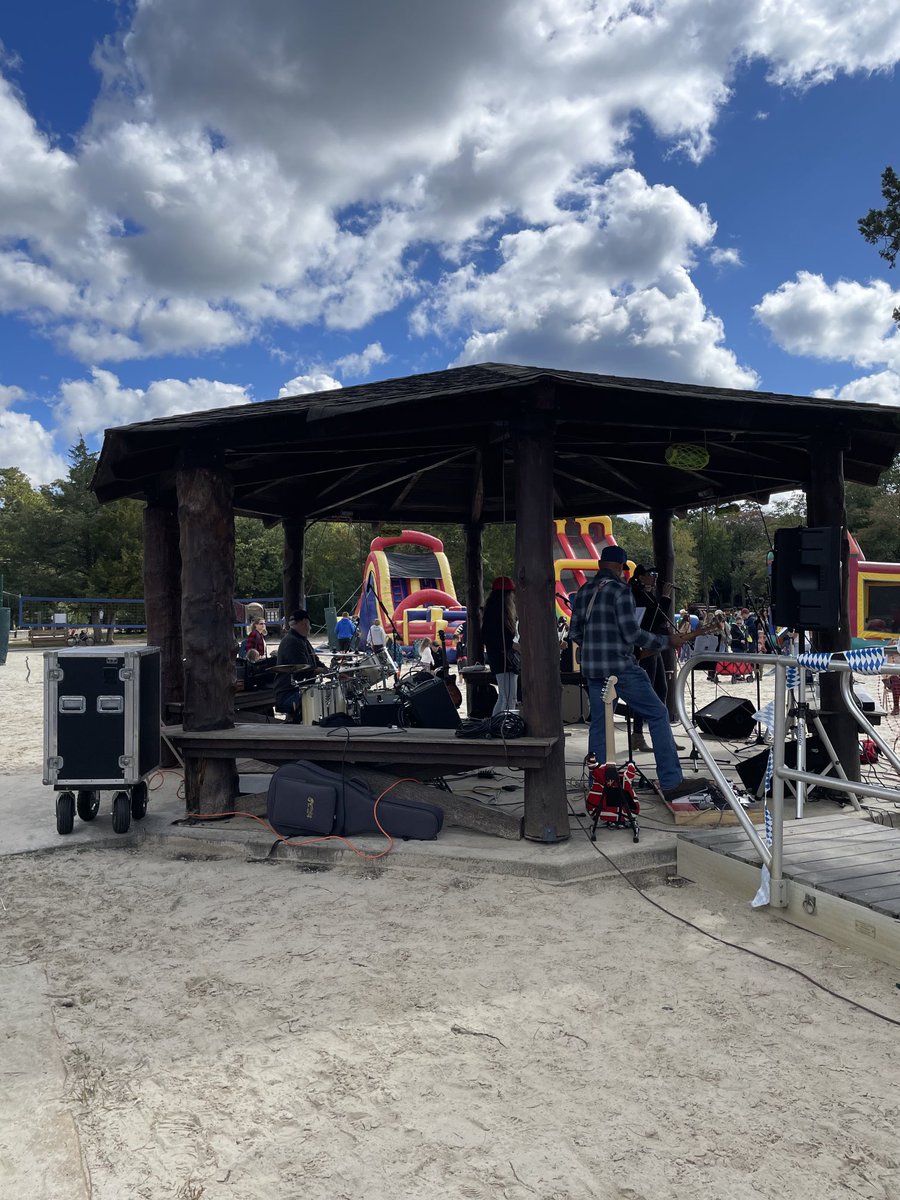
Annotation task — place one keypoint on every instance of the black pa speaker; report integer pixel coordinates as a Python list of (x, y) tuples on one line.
[(430, 706), (382, 708), (806, 577), (752, 771), (727, 717)]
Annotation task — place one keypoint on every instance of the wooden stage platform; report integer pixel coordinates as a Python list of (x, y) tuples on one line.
[(842, 872), (425, 753)]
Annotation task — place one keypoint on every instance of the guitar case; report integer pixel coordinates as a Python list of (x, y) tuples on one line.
[(308, 800)]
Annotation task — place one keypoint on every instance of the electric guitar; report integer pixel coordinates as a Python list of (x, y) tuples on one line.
[(611, 798), (702, 629)]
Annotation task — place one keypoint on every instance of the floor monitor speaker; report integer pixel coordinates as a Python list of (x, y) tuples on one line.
[(727, 717)]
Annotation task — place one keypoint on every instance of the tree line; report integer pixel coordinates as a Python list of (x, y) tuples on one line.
[(56, 540)]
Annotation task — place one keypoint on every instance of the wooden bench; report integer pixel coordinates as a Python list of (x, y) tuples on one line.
[(425, 753), (56, 635), (422, 754)]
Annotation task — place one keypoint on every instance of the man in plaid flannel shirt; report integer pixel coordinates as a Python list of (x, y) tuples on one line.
[(606, 628)]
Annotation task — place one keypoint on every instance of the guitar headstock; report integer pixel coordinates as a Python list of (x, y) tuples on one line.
[(608, 695)]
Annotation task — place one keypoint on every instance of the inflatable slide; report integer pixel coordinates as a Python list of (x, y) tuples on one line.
[(410, 579), (577, 544)]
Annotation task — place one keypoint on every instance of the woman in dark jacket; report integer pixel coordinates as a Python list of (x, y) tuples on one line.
[(498, 632)]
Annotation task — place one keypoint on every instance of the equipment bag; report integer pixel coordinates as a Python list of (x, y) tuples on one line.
[(302, 799), (302, 796)]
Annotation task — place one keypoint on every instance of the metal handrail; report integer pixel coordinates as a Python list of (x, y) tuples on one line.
[(773, 857)]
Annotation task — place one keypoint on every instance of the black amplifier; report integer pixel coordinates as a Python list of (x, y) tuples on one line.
[(382, 708), (430, 706)]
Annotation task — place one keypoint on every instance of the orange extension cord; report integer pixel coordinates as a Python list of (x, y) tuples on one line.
[(329, 837)]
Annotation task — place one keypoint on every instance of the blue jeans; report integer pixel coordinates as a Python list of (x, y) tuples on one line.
[(634, 687), (507, 685)]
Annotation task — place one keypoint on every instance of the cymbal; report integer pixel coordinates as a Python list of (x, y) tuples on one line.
[(294, 668)]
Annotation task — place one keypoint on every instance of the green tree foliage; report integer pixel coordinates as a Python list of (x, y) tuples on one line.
[(881, 226), (58, 541)]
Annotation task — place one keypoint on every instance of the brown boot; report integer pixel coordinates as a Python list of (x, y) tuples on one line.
[(640, 745)]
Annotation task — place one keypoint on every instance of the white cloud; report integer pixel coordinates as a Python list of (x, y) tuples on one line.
[(9, 394), (880, 388), (605, 288), (302, 385), (87, 406), (725, 257), (359, 365), (26, 444), (283, 161), (845, 321)]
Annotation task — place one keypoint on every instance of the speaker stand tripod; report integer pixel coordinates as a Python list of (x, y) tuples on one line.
[(642, 781)]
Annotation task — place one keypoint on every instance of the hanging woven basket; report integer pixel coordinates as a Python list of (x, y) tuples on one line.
[(687, 457)]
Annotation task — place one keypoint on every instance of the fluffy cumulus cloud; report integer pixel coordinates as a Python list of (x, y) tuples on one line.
[(881, 388), (250, 168), (845, 321), (87, 406), (606, 287), (277, 160), (314, 381), (24, 442)]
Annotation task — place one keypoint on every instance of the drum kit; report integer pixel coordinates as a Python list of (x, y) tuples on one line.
[(343, 687)]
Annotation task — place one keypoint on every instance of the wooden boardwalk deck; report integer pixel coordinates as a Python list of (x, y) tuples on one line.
[(842, 872)]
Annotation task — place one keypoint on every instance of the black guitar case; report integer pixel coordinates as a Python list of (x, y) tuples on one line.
[(305, 799)]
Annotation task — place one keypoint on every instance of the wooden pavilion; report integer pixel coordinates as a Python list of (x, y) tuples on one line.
[(473, 445)]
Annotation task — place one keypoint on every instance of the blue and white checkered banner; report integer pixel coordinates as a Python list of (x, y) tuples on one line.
[(766, 716), (768, 819), (867, 661), (791, 678), (818, 660), (770, 773)]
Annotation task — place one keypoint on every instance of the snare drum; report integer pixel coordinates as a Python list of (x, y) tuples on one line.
[(321, 700)]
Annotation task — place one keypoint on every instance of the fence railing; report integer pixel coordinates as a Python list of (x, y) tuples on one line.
[(85, 612)]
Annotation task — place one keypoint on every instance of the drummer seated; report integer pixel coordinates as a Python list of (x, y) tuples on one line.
[(295, 649)]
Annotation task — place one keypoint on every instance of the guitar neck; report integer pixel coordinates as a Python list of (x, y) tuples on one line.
[(610, 728)]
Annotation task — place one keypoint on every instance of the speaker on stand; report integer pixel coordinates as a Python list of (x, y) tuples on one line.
[(727, 718)]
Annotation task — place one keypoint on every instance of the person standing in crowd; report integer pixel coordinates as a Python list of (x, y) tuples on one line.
[(606, 629), (500, 637), (377, 638), (653, 613), (295, 649), (256, 640), (344, 631), (424, 654)]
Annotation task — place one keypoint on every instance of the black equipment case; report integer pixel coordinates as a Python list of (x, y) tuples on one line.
[(305, 799), (382, 708), (101, 716)]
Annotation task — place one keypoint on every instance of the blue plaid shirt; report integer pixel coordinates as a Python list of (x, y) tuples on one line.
[(608, 637)]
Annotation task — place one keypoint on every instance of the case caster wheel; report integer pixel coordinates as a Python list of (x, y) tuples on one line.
[(87, 804), (139, 801), (121, 813), (65, 812)]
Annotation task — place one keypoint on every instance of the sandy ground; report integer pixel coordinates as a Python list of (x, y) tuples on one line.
[(230, 1029)]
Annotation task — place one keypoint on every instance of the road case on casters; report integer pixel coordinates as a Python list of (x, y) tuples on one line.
[(101, 730)]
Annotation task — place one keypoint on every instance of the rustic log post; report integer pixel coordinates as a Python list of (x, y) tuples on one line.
[(206, 521), (664, 561), (294, 567), (546, 813), (826, 505), (162, 607)]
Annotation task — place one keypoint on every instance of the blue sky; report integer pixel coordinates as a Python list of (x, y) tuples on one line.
[(205, 202)]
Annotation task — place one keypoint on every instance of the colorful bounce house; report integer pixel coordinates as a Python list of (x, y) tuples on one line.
[(874, 599), (577, 544), (411, 579)]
